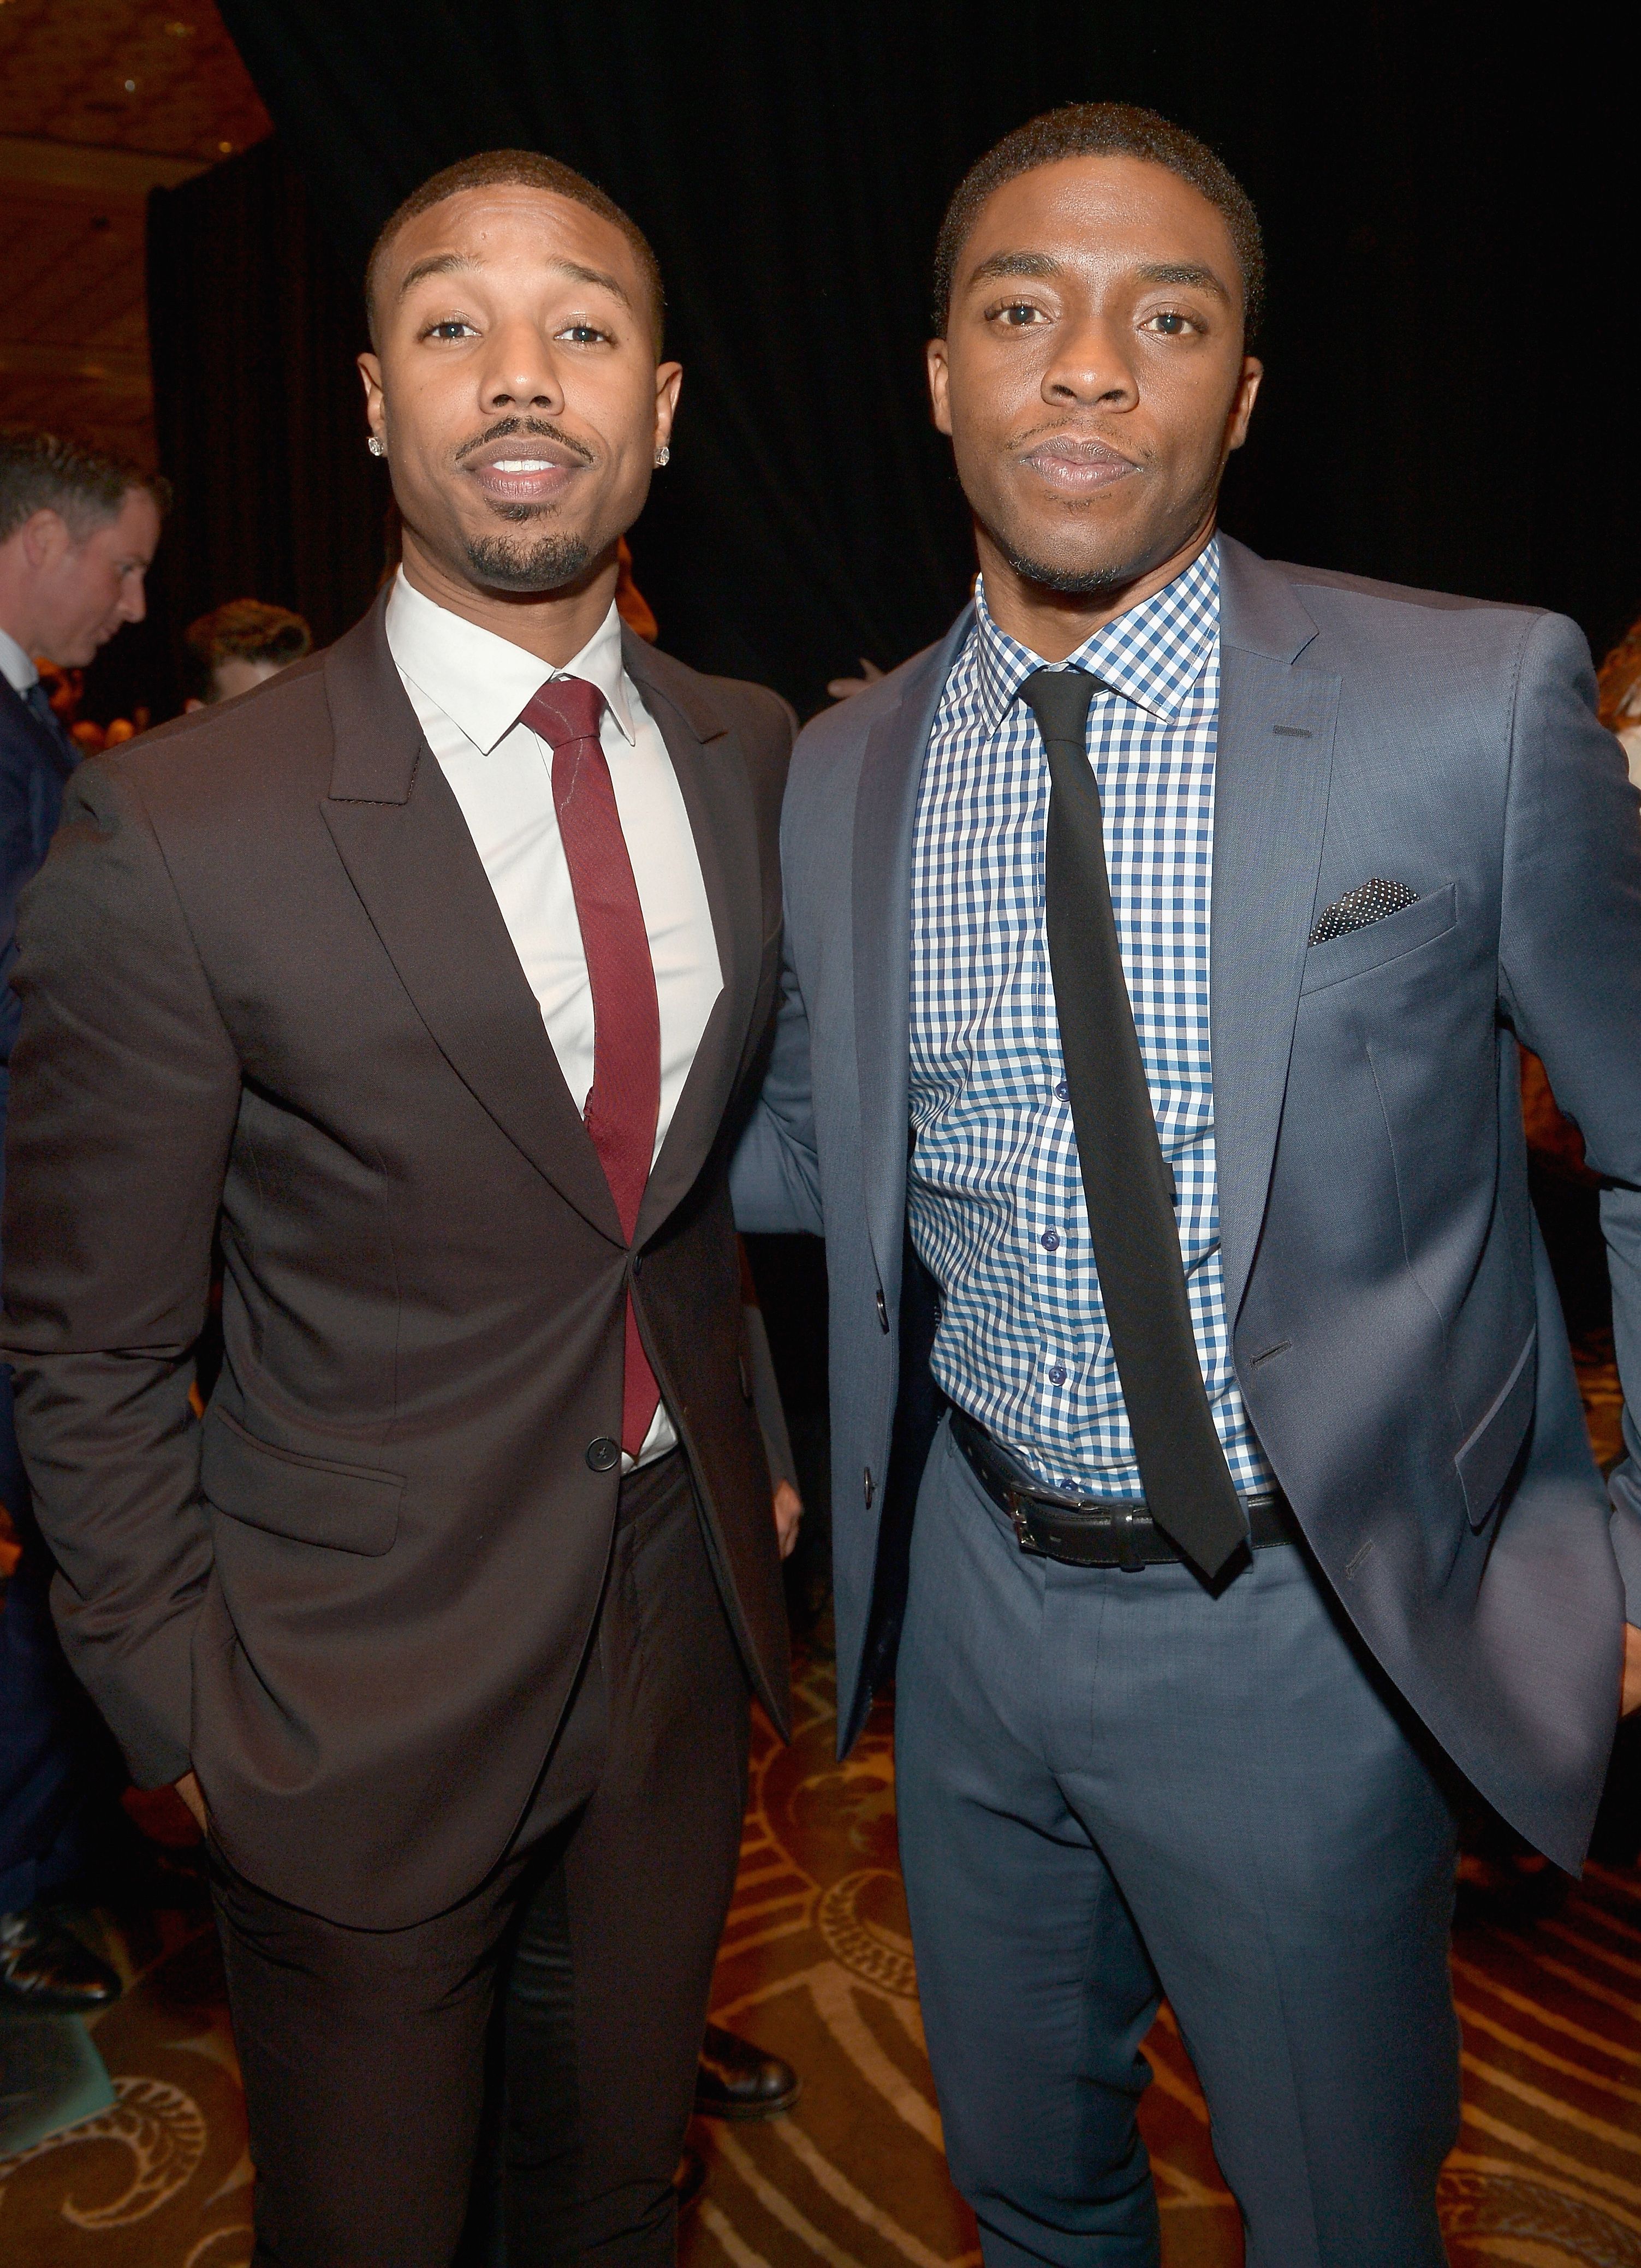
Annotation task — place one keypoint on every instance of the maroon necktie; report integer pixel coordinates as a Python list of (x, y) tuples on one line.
[(624, 1101)]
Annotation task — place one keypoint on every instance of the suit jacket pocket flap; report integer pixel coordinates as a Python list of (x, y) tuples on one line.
[(307, 1499), (1359, 950), (1486, 1458)]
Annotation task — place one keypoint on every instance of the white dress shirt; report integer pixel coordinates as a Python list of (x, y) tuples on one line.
[(16, 666), (469, 687)]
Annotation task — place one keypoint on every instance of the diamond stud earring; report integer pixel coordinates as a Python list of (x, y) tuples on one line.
[(662, 454), (377, 446)]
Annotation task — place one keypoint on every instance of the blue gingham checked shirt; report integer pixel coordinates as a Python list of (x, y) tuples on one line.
[(995, 1195)]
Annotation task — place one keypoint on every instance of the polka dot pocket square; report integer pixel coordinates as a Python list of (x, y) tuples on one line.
[(1370, 902)]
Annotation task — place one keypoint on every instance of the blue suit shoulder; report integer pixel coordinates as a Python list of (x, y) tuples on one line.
[(1361, 607), (837, 737)]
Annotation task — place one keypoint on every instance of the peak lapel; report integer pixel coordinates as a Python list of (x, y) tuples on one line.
[(1272, 769), (717, 797), (400, 835), (885, 808)]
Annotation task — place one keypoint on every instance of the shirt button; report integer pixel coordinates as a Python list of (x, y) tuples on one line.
[(1051, 1239), (1062, 1091), (1056, 1375), (603, 1455)]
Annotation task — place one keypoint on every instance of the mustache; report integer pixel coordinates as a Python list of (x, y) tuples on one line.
[(541, 428)]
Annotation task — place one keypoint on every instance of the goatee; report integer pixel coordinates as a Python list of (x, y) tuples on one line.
[(545, 564), (1068, 582)]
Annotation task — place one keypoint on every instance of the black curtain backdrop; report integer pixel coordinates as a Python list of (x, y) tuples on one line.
[(1452, 343), (255, 318)]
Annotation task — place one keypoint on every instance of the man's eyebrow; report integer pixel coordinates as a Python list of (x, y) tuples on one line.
[(1015, 263), (436, 263), (452, 263), (598, 275), (1180, 271)]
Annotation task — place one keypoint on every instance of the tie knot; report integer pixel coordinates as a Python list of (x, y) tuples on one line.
[(565, 709), (1059, 699)]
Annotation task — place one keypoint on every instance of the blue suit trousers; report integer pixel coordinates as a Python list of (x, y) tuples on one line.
[(1113, 1787)]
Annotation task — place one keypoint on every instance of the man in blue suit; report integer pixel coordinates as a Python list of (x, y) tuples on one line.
[(78, 530), (1159, 946)]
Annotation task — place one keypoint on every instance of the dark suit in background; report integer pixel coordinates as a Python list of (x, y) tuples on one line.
[(43, 1720), (264, 974)]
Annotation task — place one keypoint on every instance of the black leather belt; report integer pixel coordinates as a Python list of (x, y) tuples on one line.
[(1084, 1532)]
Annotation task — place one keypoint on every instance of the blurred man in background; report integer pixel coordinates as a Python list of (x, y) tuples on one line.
[(78, 530), (238, 645)]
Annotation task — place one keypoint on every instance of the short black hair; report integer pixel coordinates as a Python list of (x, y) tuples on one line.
[(244, 629), (526, 169), (45, 472), (1103, 130)]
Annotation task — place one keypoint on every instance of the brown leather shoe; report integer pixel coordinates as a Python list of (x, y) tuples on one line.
[(737, 2080), (44, 1967)]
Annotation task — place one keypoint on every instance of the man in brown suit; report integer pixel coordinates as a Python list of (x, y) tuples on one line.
[(432, 971)]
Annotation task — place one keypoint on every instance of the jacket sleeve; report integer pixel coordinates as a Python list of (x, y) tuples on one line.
[(766, 1399), (1570, 954), (21, 851), (775, 1175), (125, 1088)]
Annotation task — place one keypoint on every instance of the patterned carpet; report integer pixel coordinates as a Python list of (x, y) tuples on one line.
[(817, 1964)]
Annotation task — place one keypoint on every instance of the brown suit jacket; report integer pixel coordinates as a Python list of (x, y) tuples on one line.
[(265, 983)]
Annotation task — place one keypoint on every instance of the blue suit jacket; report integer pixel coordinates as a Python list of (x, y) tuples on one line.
[(32, 770), (1396, 1333)]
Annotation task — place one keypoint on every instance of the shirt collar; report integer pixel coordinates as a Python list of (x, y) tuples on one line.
[(16, 666), (481, 682), (1152, 655)]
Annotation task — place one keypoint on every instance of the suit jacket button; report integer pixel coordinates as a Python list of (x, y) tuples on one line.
[(866, 1477), (883, 1311), (604, 1454)]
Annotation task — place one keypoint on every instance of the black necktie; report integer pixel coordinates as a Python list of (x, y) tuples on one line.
[(39, 705), (1189, 1490)]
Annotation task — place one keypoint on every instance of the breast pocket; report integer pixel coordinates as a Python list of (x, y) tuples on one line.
[(306, 1499), (1397, 934)]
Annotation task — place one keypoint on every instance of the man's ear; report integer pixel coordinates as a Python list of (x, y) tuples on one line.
[(47, 540), (370, 370), (1246, 394), (940, 386), (669, 376)]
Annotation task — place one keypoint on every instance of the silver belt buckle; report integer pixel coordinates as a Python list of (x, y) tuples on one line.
[(1023, 1536)]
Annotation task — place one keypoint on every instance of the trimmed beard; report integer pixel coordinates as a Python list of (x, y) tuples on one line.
[(1067, 582), (545, 563)]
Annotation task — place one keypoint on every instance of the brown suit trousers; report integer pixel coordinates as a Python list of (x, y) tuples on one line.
[(365, 2050)]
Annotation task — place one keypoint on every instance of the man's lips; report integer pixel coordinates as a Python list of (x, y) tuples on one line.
[(1078, 468), (524, 468)]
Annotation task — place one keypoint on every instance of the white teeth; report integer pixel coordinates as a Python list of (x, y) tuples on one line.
[(522, 465)]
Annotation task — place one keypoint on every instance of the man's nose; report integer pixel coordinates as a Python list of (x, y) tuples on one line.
[(133, 599), (521, 372), (1089, 366)]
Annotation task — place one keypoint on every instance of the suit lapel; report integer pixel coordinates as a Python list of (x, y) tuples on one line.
[(1272, 769), (885, 808), (401, 836), (59, 754), (717, 797)]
